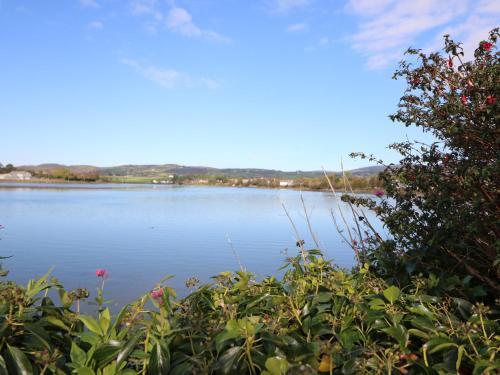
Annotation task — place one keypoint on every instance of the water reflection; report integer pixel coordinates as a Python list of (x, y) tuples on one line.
[(141, 233)]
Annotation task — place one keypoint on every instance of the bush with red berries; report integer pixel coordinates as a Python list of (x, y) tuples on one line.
[(442, 200)]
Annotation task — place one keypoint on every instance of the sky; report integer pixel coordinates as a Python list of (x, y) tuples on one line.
[(281, 84)]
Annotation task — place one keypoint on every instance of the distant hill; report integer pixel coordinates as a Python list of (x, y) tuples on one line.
[(163, 170), (51, 166), (367, 171)]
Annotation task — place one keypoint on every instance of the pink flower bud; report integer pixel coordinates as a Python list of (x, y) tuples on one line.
[(101, 272), (157, 294)]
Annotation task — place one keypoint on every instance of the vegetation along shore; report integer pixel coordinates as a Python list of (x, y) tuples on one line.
[(362, 180)]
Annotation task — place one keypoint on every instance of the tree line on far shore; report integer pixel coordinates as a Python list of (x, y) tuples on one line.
[(6, 168)]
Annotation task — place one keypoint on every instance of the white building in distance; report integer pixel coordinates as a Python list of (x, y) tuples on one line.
[(16, 175), (286, 183)]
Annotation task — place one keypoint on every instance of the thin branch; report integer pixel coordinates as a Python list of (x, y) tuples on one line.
[(235, 253), (297, 235), (309, 223), (340, 211), (367, 222)]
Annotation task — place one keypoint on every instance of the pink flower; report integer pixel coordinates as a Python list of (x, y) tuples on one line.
[(101, 272), (463, 99), (157, 294), (379, 193), (486, 46), (490, 99)]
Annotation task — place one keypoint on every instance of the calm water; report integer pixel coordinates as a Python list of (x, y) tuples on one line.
[(141, 233)]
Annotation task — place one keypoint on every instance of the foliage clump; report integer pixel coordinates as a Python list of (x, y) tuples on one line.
[(318, 319), (442, 200)]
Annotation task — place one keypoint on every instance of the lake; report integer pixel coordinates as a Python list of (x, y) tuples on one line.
[(140, 233)]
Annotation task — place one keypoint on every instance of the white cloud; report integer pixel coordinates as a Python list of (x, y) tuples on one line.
[(177, 20), (168, 78), (296, 28), (489, 6), (209, 83), (284, 6), (180, 21), (367, 7), (96, 25), (388, 27), (146, 7), (323, 41), (320, 43), (90, 3)]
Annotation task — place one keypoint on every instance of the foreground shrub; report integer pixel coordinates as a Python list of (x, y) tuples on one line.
[(441, 203), (319, 319)]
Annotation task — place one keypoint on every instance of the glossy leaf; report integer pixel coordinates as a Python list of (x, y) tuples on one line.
[(78, 356), (91, 324), (392, 293), (128, 347), (21, 363), (105, 353), (159, 362)]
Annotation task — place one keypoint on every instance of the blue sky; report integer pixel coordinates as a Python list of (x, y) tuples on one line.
[(284, 84)]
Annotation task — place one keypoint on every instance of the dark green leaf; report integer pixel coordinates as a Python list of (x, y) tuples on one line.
[(128, 348), (21, 363), (105, 353), (159, 362)]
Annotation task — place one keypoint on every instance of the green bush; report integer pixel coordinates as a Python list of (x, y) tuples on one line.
[(441, 203), (319, 319)]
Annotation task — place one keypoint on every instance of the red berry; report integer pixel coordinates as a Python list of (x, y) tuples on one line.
[(486, 46)]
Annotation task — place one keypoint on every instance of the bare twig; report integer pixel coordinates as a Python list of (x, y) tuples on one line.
[(367, 222), (355, 214), (351, 243), (234, 252), (297, 235), (309, 222)]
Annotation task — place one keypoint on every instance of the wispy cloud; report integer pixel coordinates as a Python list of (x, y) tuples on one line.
[(284, 6), (180, 21), (176, 19), (481, 18), (95, 25), (322, 42), (296, 28), (388, 27), (169, 78), (146, 7), (90, 3)]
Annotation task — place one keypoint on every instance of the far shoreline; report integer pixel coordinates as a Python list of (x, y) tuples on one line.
[(49, 184)]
